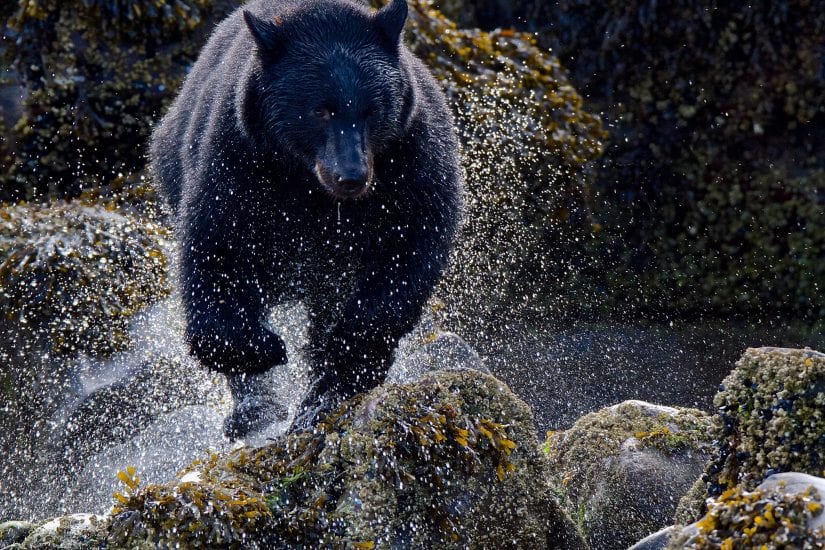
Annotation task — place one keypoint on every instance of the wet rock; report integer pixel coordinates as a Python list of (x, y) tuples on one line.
[(708, 124), (12, 532), (89, 110), (655, 541), (429, 350), (623, 469), (72, 274), (450, 460), (72, 532), (772, 417), (785, 511)]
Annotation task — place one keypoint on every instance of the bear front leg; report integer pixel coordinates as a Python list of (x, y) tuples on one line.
[(356, 353), (224, 310)]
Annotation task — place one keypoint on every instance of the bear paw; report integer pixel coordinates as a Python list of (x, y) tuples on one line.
[(255, 407)]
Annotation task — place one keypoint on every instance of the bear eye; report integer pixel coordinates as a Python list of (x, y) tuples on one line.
[(323, 113)]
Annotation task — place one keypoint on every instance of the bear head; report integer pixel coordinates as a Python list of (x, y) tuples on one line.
[(329, 88)]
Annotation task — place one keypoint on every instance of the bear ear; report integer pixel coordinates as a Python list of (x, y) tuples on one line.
[(390, 20), (268, 35)]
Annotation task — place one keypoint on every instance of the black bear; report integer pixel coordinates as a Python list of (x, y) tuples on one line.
[(308, 156)]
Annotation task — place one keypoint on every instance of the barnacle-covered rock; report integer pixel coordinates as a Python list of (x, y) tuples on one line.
[(772, 412), (98, 74), (712, 176), (447, 461), (786, 511), (621, 470), (72, 274), (72, 532)]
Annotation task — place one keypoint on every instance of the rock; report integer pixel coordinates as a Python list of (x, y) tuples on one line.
[(72, 532), (12, 532), (785, 511), (87, 116), (426, 351), (655, 541), (772, 412), (73, 275), (704, 149), (447, 461), (623, 469)]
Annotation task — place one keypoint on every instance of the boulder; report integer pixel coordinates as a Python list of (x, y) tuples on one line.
[(447, 461), (710, 186), (623, 469), (772, 413), (72, 532), (97, 75), (73, 275), (12, 532), (785, 511)]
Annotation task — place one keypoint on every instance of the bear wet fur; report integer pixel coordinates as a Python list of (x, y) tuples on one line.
[(309, 155)]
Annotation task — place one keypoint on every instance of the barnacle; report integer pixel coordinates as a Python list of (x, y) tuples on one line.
[(762, 518), (771, 420)]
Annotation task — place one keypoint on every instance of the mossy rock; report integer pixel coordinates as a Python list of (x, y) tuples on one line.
[(786, 511), (621, 470), (772, 413), (448, 461)]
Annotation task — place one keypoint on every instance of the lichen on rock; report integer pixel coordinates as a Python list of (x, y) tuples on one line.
[(621, 470), (449, 460)]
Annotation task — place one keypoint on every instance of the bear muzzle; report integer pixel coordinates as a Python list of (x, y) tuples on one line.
[(346, 179)]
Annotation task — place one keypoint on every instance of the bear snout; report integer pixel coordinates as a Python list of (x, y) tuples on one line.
[(345, 180)]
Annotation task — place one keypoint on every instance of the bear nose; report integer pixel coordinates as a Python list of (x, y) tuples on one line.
[(352, 179)]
